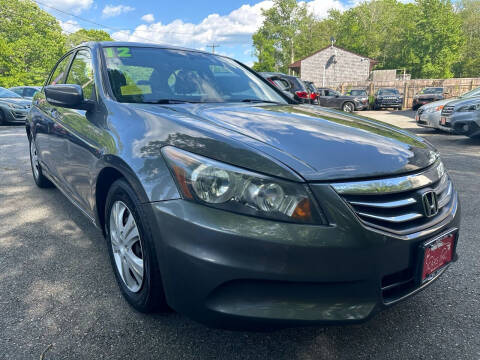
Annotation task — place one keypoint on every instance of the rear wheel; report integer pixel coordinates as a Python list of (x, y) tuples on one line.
[(131, 249), (348, 107), (38, 177)]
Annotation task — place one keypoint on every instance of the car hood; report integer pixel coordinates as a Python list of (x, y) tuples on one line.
[(465, 101), (317, 143), (16, 101), (429, 96), (436, 103)]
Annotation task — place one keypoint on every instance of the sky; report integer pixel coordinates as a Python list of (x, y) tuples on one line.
[(188, 23)]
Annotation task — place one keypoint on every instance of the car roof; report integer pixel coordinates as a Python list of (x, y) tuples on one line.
[(95, 44)]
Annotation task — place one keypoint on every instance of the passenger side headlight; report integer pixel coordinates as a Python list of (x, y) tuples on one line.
[(227, 187)]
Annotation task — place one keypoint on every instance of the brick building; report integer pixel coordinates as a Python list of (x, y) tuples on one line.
[(331, 66)]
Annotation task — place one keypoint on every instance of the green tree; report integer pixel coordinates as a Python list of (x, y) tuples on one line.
[(84, 35), (437, 41), (275, 41), (469, 65), (31, 41)]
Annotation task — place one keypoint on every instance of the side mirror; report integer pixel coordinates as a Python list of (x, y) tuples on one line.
[(336, 95), (67, 96)]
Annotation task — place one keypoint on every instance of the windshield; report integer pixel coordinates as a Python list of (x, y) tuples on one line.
[(388, 92), (432, 91), (4, 93), (357, 93), (472, 93), (154, 75)]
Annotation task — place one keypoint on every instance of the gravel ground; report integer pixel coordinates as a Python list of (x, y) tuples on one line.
[(59, 299)]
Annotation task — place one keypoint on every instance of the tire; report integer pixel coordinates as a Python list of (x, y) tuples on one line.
[(37, 173), (129, 247), (348, 107)]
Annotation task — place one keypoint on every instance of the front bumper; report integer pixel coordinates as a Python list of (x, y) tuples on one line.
[(15, 115), (430, 120), (229, 270), (464, 123), (361, 106), (388, 104)]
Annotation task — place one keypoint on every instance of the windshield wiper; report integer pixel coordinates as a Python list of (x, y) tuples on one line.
[(259, 101), (168, 101)]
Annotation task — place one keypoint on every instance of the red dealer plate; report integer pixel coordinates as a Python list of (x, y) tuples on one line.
[(443, 120), (438, 253)]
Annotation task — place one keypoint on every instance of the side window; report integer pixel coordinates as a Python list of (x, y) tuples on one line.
[(29, 92), (81, 73), (59, 74), (18, 91)]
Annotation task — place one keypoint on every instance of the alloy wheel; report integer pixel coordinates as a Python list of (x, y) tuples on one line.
[(348, 107), (126, 246), (34, 159)]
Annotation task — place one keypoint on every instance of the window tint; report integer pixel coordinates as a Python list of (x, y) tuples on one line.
[(81, 73), (59, 74)]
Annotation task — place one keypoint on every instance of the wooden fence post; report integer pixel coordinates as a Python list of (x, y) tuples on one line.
[(405, 94)]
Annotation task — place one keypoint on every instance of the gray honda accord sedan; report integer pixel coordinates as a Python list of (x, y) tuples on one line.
[(227, 201)]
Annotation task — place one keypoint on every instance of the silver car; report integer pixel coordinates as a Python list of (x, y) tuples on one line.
[(429, 115)]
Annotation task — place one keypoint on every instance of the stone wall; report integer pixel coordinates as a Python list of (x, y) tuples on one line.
[(341, 66)]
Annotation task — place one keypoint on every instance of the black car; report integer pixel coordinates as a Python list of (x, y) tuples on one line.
[(348, 103), (428, 95), (231, 203), (13, 108), (387, 98), (296, 86)]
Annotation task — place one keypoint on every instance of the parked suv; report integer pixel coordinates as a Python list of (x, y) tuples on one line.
[(428, 95), (347, 103), (387, 98), (296, 86), (231, 203), (462, 116)]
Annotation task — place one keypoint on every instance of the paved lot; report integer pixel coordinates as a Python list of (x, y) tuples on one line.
[(59, 299)]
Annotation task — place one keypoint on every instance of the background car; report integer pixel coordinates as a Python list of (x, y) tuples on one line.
[(26, 92), (296, 86), (428, 95), (429, 115), (333, 99), (387, 98), (462, 116), (314, 93), (13, 108)]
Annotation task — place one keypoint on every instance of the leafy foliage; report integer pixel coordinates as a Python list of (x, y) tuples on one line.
[(429, 38), (31, 42), (84, 35)]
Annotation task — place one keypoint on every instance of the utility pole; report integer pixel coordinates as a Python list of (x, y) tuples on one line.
[(213, 46)]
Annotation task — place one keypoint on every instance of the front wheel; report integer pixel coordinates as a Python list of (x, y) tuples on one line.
[(348, 107), (38, 177), (132, 250)]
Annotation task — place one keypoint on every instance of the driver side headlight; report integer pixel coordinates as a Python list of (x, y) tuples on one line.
[(226, 187), (469, 108)]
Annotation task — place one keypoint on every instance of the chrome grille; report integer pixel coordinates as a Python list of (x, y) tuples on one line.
[(396, 205), (447, 110)]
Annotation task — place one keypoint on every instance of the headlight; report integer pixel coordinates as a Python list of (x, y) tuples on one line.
[(433, 109), (468, 108), (226, 187)]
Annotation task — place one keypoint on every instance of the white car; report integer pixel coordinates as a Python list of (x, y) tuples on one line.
[(429, 115)]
